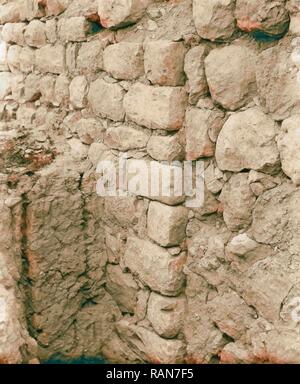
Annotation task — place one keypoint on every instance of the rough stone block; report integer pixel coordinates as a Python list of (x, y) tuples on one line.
[(35, 34), (164, 62), (289, 146), (73, 29), (90, 57), (156, 108), (230, 75), (119, 13), (197, 126), (166, 314), (214, 19), (238, 202), (27, 60), (50, 59), (13, 33), (154, 266), (243, 144), (124, 60), (106, 100), (195, 71), (125, 137), (165, 148), (262, 15), (122, 287), (166, 225), (78, 91), (9, 13)]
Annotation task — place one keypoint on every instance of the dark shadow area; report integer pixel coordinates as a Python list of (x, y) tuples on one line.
[(79, 360)]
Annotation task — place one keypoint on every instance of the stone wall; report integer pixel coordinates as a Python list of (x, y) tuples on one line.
[(133, 279)]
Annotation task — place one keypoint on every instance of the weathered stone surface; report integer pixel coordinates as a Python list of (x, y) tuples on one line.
[(197, 126), (56, 7), (171, 222), (50, 59), (35, 34), (125, 137), (164, 62), (166, 314), (277, 80), (214, 179), (122, 287), (78, 91), (165, 148), (214, 19), (13, 33), (195, 72), (9, 13), (288, 144), (166, 189), (243, 144), (124, 60), (106, 100), (73, 29), (156, 108), (90, 57), (157, 350), (118, 13), (242, 244), (233, 316), (89, 130), (13, 58), (27, 60), (238, 202), (47, 84), (50, 30), (3, 56), (31, 9), (230, 75), (5, 84), (262, 15), (154, 266), (61, 90)]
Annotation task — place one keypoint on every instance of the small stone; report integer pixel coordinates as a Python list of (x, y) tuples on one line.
[(242, 244)]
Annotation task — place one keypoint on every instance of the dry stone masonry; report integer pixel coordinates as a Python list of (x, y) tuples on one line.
[(140, 278)]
